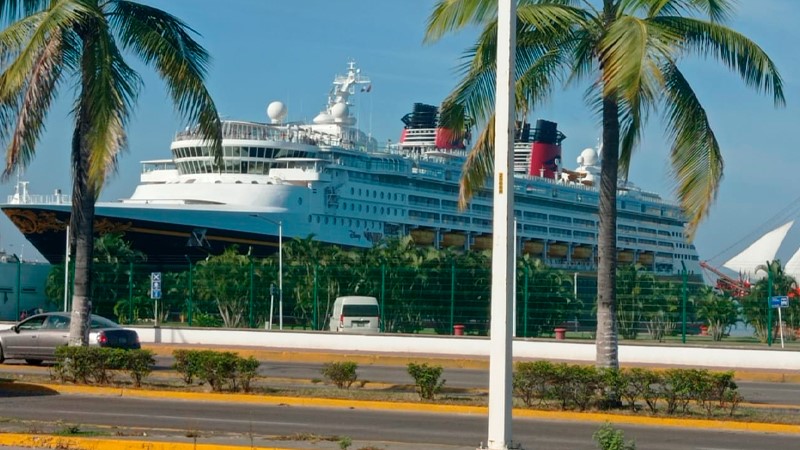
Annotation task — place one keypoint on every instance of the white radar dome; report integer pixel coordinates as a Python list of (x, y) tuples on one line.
[(339, 111), (588, 157), (323, 117), (276, 111)]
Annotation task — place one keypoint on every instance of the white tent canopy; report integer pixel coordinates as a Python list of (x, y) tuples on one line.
[(762, 251)]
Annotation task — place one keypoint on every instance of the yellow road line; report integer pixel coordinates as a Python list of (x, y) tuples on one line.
[(72, 442)]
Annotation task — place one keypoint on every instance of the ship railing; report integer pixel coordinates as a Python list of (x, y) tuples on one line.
[(40, 199), (267, 132)]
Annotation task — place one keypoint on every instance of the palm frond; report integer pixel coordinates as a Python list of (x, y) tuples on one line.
[(453, 15), (715, 10), (35, 31), (630, 54), (632, 121), (478, 167), (165, 42), (33, 104), (110, 87), (697, 163), (733, 49), (13, 10)]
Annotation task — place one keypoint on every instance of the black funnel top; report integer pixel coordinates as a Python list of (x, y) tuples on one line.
[(547, 132)]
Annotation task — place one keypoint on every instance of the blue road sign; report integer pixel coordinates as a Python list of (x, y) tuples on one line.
[(779, 301), (155, 285)]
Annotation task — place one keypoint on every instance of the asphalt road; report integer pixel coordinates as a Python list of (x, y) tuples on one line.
[(376, 427)]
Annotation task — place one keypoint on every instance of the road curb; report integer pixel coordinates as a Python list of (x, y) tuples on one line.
[(68, 442), (408, 406)]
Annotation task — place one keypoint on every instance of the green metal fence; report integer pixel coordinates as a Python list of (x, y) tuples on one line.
[(431, 297)]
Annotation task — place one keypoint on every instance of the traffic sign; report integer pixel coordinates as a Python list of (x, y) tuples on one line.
[(779, 301), (155, 285)]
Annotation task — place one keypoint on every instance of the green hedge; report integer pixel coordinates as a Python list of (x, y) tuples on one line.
[(220, 370), (582, 387), (98, 364)]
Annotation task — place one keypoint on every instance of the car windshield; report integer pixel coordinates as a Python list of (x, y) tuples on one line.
[(102, 322)]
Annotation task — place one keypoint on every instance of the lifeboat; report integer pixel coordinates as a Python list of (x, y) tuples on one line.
[(625, 256), (533, 247), (422, 237), (482, 243), (645, 258), (453, 240), (581, 252), (557, 250)]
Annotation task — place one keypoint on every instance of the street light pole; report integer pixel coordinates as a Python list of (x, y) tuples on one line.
[(280, 274), (279, 223)]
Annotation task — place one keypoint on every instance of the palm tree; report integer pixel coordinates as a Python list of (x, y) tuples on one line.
[(47, 42), (628, 51)]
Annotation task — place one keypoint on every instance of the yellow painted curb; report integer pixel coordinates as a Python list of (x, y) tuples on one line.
[(71, 442), (423, 407)]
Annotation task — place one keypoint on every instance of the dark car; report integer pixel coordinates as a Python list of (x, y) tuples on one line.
[(35, 339)]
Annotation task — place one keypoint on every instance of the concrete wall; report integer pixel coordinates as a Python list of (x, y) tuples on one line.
[(715, 357)]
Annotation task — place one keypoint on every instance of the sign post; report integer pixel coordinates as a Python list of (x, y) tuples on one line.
[(779, 302), (155, 293)]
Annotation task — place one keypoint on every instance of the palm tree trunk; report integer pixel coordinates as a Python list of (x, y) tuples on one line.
[(607, 340), (82, 222)]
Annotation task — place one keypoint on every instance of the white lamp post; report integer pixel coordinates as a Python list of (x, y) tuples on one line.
[(279, 223)]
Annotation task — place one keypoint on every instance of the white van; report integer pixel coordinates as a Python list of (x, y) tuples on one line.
[(355, 314)]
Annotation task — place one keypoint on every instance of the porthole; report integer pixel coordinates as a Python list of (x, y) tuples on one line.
[(299, 200)]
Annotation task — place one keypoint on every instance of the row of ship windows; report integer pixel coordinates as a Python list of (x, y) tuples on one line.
[(227, 151), (375, 194), (327, 220), (366, 208), (230, 166)]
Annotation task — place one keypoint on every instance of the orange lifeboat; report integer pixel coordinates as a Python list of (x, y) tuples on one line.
[(422, 237)]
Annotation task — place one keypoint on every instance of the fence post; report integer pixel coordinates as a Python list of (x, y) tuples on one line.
[(252, 293), (383, 297), (769, 307), (190, 304), (130, 292), (525, 304), (452, 294), (315, 322), (683, 302), (19, 286)]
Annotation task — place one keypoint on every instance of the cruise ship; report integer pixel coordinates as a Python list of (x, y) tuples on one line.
[(330, 180)]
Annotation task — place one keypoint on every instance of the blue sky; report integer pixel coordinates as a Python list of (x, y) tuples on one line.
[(265, 50)]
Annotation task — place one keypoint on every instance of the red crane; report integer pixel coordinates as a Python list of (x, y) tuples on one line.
[(735, 287)]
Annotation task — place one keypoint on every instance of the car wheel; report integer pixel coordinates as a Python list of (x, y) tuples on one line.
[(34, 362), (2, 357)]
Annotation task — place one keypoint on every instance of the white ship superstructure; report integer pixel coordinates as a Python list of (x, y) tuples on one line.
[(331, 180)]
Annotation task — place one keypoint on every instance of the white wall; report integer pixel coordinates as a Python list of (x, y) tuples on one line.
[(712, 357)]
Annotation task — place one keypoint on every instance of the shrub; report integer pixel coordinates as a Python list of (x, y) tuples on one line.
[(644, 384), (186, 364), (531, 381), (427, 379), (246, 370), (96, 364), (139, 364), (609, 438), (218, 369), (342, 374)]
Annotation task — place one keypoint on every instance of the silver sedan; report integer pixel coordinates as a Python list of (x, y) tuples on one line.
[(35, 339)]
